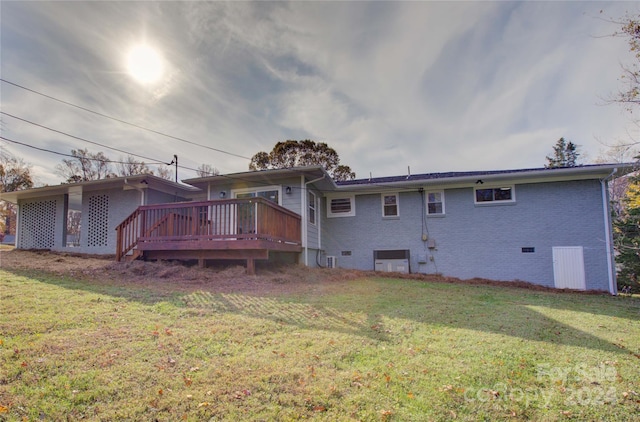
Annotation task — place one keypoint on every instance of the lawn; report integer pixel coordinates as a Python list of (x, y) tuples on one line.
[(106, 348)]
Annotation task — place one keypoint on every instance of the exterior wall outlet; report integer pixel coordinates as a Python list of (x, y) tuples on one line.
[(424, 237)]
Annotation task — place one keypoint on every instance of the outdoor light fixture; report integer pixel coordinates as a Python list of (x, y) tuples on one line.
[(479, 182), (223, 194), (288, 190)]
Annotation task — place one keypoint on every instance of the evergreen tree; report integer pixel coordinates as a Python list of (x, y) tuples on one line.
[(565, 154)]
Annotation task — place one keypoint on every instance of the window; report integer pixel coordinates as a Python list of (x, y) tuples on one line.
[(312, 207), (272, 193), (341, 206), (435, 203), (493, 195), (390, 205)]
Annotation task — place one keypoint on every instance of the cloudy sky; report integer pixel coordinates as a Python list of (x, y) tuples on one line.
[(437, 86)]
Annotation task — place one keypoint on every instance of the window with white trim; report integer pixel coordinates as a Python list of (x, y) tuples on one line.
[(494, 195), (341, 206), (435, 203), (272, 193), (311, 198), (390, 205)]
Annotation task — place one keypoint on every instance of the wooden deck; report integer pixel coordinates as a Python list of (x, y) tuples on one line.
[(244, 229)]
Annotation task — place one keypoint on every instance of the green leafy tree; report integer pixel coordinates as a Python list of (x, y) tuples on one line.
[(565, 154), (290, 153), (626, 221), (627, 239)]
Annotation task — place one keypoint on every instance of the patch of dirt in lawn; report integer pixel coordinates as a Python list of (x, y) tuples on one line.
[(178, 276)]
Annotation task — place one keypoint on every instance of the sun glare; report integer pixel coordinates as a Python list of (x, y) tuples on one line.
[(145, 64)]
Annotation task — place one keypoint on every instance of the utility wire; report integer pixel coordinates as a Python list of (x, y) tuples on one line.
[(84, 158), (229, 177), (59, 153), (123, 121), (139, 127), (155, 161)]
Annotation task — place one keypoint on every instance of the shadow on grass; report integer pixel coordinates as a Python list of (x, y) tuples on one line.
[(363, 307)]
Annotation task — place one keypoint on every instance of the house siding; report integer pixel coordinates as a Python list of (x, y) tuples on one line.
[(153, 197), (313, 232), (41, 223), (98, 234), (483, 241)]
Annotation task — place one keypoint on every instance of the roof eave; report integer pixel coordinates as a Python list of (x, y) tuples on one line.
[(533, 176)]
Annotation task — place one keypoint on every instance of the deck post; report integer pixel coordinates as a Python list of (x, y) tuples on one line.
[(251, 266), (201, 263)]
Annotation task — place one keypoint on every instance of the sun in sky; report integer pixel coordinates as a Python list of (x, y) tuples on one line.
[(145, 64)]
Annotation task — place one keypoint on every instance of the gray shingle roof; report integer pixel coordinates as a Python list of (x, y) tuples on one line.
[(459, 174)]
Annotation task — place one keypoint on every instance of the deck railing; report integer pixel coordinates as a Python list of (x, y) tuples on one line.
[(230, 219)]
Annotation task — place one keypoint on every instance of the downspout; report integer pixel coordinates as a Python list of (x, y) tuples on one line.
[(142, 199), (613, 288), (17, 243), (304, 226), (305, 207)]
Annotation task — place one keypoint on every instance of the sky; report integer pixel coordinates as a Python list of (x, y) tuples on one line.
[(391, 86)]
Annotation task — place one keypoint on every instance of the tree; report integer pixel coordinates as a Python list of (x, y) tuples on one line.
[(565, 154), (205, 170), (131, 167), (84, 166), (15, 175), (164, 172), (290, 153), (630, 95), (620, 153), (627, 239)]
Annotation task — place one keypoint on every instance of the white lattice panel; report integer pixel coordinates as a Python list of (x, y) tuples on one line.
[(37, 225), (98, 220)]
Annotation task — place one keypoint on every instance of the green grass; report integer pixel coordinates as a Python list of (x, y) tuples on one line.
[(370, 349)]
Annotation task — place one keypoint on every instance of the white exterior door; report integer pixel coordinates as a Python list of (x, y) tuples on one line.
[(568, 267)]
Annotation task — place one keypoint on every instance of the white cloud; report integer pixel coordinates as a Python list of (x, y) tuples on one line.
[(437, 86)]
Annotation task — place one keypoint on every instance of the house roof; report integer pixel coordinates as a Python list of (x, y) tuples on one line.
[(267, 177), (75, 190), (531, 175)]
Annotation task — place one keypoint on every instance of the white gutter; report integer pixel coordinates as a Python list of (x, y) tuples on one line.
[(527, 176), (613, 288), (305, 210), (142, 199)]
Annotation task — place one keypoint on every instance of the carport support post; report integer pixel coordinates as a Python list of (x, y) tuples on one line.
[(251, 266)]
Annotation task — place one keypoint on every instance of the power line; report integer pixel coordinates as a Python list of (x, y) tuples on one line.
[(56, 152), (155, 161), (87, 158), (123, 121), (229, 177)]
